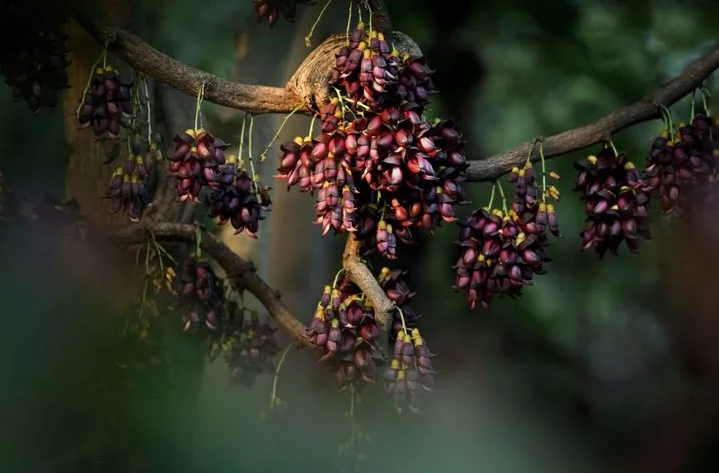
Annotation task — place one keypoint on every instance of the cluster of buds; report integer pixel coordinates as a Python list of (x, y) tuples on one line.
[(107, 104), (247, 345), (682, 165), (345, 327), (201, 293), (238, 199), (397, 290), (270, 10), (34, 56), (379, 168), (410, 375), (616, 202), (128, 185), (498, 256), (195, 160), (502, 250)]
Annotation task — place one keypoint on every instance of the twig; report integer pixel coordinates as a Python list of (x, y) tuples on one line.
[(241, 272), (255, 99), (576, 139), (360, 274)]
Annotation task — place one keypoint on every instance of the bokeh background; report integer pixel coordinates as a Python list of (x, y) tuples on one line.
[(586, 373)]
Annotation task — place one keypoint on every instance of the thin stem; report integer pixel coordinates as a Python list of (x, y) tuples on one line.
[(544, 170), (275, 381), (198, 104), (263, 154), (504, 199), (531, 149), (242, 141), (312, 126), (610, 143), (252, 160), (308, 38), (349, 19), (337, 277), (401, 318), (198, 241), (104, 57), (149, 109), (492, 195)]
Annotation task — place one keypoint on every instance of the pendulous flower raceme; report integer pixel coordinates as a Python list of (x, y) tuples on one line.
[(195, 160), (616, 201), (128, 185), (201, 294), (247, 345), (682, 165), (107, 104), (270, 10), (502, 250), (34, 56), (345, 326), (238, 199), (378, 167), (410, 375)]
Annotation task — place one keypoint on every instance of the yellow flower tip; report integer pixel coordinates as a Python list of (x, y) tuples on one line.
[(553, 175), (384, 272), (191, 132), (109, 68), (232, 159), (395, 365), (298, 140), (380, 36), (362, 46), (367, 53), (592, 159), (550, 208)]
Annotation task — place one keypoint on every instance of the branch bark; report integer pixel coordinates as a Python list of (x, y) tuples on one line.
[(255, 99), (366, 281), (241, 272), (576, 139)]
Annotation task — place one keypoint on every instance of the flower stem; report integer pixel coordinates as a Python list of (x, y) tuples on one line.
[(504, 198), (276, 378), (308, 38), (198, 104), (263, 154)]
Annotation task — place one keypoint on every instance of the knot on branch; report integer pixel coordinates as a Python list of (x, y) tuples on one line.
[(310, 83)]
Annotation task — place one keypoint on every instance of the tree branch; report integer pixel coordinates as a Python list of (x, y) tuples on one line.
[(241, 272), (366, 281), (566, 142), (255, 99)]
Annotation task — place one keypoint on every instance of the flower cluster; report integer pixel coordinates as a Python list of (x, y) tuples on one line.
[(270, 10), (397, 290), (410, 375), (128, 186), (107, 104), (238, 199), (378, 167), (247, 345), (682, 165), (201, 293), (502, 250), (34, 57), (195, 160), (616, 202), (345, 327)]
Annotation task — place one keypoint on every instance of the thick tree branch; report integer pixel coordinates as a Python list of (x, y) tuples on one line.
[(578, 138), (255, 99), (241, 272), (367, 282)]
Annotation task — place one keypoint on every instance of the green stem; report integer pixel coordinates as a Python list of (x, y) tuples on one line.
[(275, 381), (544, 171), (337, 277), (504, 199), (401, 318), (308, 38), (198, 104), (349, 20), (492, 195), (149, 109), (255, 189), (242, 141), (263, 154)]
